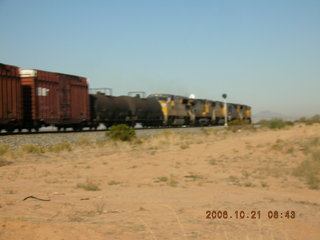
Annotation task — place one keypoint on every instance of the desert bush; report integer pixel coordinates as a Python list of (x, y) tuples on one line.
[(275, 123), (309, 121), (121, 132)]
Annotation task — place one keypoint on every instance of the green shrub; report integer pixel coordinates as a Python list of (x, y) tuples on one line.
[(121, 132)]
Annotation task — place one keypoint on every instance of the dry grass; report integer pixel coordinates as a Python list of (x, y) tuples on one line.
[(32, 148), (89, 185), (4, 148), (59, 147), (4, 162), (99, 206), (83, 141)]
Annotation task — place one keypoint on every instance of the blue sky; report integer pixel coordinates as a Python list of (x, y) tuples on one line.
[(262, 53)]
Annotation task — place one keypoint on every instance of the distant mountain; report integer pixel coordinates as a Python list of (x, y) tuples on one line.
[(269, 115)]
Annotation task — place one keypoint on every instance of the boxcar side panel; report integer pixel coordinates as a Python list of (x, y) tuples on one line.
[(10, 95)]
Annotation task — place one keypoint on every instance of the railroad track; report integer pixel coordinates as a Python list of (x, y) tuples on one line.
[(48, 138), (101, 129)]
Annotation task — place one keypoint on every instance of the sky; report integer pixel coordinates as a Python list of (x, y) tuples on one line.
[(265, 54)]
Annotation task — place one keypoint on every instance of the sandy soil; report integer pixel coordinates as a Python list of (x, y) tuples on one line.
[(163, 187)]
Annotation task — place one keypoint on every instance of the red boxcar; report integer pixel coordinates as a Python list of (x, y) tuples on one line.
[(54, 99), (10, 98)]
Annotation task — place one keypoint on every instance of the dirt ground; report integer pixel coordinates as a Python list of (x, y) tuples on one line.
[(163, 187)]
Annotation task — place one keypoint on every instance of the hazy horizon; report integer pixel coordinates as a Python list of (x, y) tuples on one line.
[(265, 54)]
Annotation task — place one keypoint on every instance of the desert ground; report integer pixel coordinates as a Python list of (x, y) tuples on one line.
[(164, 186)]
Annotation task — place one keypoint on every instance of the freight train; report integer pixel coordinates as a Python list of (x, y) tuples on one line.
[(30, 99)]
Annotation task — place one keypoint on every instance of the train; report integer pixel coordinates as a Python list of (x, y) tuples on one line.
[(31, 99)]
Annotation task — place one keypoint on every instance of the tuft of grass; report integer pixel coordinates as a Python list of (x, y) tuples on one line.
[(173, 181), (310, 145), (205, 131), (114, 182), (212, 162), (99, 207), (137, 141), (166, 133), (32, 148), (264, 184), (194, 176), (234, 180), (170, 181), (121, 132), (59, 147), (310, 170), (101, 143), (313, 181), (4, 162), (184, 146), (277, 147), (290, 150), (88, 186), (4, 148), (162, 179), (315, 156), (83, 141), (249, 184)]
